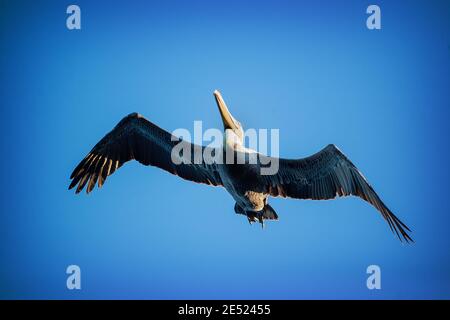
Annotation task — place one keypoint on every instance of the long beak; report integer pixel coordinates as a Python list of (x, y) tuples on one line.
[(227, 118)]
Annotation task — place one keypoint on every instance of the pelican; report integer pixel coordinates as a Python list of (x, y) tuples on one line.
[(325, 175)]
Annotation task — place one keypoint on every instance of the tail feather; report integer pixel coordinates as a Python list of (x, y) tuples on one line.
[(269, 213)]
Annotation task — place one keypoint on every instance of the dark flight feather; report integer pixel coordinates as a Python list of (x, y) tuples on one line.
[(326, 175), (136, 138)]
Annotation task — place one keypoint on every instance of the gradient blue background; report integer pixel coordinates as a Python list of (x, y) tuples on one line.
[(312, 69)]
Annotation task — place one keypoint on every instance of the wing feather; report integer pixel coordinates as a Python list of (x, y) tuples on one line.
[(326, 175), (136, 138)]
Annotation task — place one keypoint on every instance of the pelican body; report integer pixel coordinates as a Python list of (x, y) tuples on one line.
[(325, 175)]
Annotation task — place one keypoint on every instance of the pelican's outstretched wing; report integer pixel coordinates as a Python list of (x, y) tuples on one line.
[(134, 137), (325, 175)]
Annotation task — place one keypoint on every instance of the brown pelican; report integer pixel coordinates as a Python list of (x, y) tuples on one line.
[(324, 175)]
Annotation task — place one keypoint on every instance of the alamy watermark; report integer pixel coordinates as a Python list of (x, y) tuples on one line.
[(373, 22), (73, 21), (74, 279), (374, 280), (227, 147)]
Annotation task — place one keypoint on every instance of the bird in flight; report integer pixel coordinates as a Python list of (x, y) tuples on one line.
[(325, 175)]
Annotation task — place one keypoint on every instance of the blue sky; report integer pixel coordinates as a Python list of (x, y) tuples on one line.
[(311, 69)]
